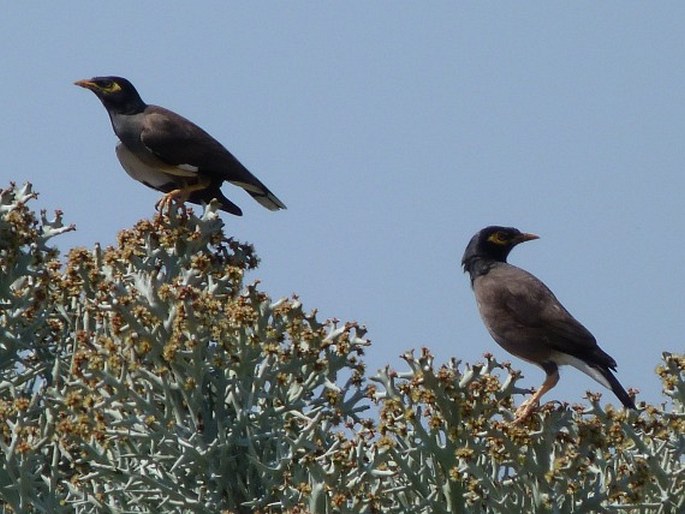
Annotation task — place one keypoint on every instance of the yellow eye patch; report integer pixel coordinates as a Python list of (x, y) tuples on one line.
[(499, 238), (112, 87)]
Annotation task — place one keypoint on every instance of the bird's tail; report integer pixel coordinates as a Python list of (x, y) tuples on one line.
[(617, 388), (206, 195), (261, 193), (267, 199)]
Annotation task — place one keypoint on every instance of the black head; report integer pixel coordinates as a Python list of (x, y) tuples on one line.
[(493, 244), (117, 94)]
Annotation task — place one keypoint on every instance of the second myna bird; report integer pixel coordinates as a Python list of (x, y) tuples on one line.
[(169, 153), (527, 320)]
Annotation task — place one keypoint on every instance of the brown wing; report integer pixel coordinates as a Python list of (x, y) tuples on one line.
[(533, 304), (525, 317), (178, 141)]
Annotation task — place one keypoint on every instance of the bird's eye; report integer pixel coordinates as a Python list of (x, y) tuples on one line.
[(110, 86), (499, 238)]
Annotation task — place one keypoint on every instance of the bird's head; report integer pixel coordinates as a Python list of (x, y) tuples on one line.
[(116, 93), (493, 244)]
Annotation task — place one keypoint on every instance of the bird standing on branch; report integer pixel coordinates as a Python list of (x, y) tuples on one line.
[(525, 318), (169, 153)]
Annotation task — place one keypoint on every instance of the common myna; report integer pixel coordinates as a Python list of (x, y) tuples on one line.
[(169, 153), (527, 320)]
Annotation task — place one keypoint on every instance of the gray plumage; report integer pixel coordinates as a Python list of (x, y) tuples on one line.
[(169, 153), (526, 319)]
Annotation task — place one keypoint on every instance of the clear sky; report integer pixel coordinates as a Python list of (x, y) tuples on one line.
[(393, 131)]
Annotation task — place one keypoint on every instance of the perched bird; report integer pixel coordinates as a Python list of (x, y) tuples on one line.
[(525, 318), (169, 153)]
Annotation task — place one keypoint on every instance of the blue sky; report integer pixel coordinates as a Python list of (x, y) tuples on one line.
[(393, 132)]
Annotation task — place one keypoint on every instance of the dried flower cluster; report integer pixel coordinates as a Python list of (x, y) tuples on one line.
[(449, 431), (147, 377)]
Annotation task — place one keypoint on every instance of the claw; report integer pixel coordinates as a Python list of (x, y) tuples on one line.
[(525, 410), (165, 203)]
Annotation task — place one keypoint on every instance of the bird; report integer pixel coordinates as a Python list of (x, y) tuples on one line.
[(169, 153), (525, 318)]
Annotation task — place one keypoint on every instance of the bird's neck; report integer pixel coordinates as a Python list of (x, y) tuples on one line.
[(131, 108), (478, 266), (126, 106)]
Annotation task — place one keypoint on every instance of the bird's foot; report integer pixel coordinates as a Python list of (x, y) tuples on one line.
[(525, 410), (166, 202)]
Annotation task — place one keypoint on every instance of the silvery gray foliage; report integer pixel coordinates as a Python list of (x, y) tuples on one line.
[(147, 377), (449, 434), (25, 258), (27, 348)]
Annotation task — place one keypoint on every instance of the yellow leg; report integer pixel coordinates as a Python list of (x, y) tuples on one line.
[(180, 195), (532, 403), (165, 202)]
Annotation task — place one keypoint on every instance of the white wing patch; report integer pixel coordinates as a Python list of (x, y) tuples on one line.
[(188, 167)]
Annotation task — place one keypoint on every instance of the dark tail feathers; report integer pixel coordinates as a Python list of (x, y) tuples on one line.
[(617, 388)]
